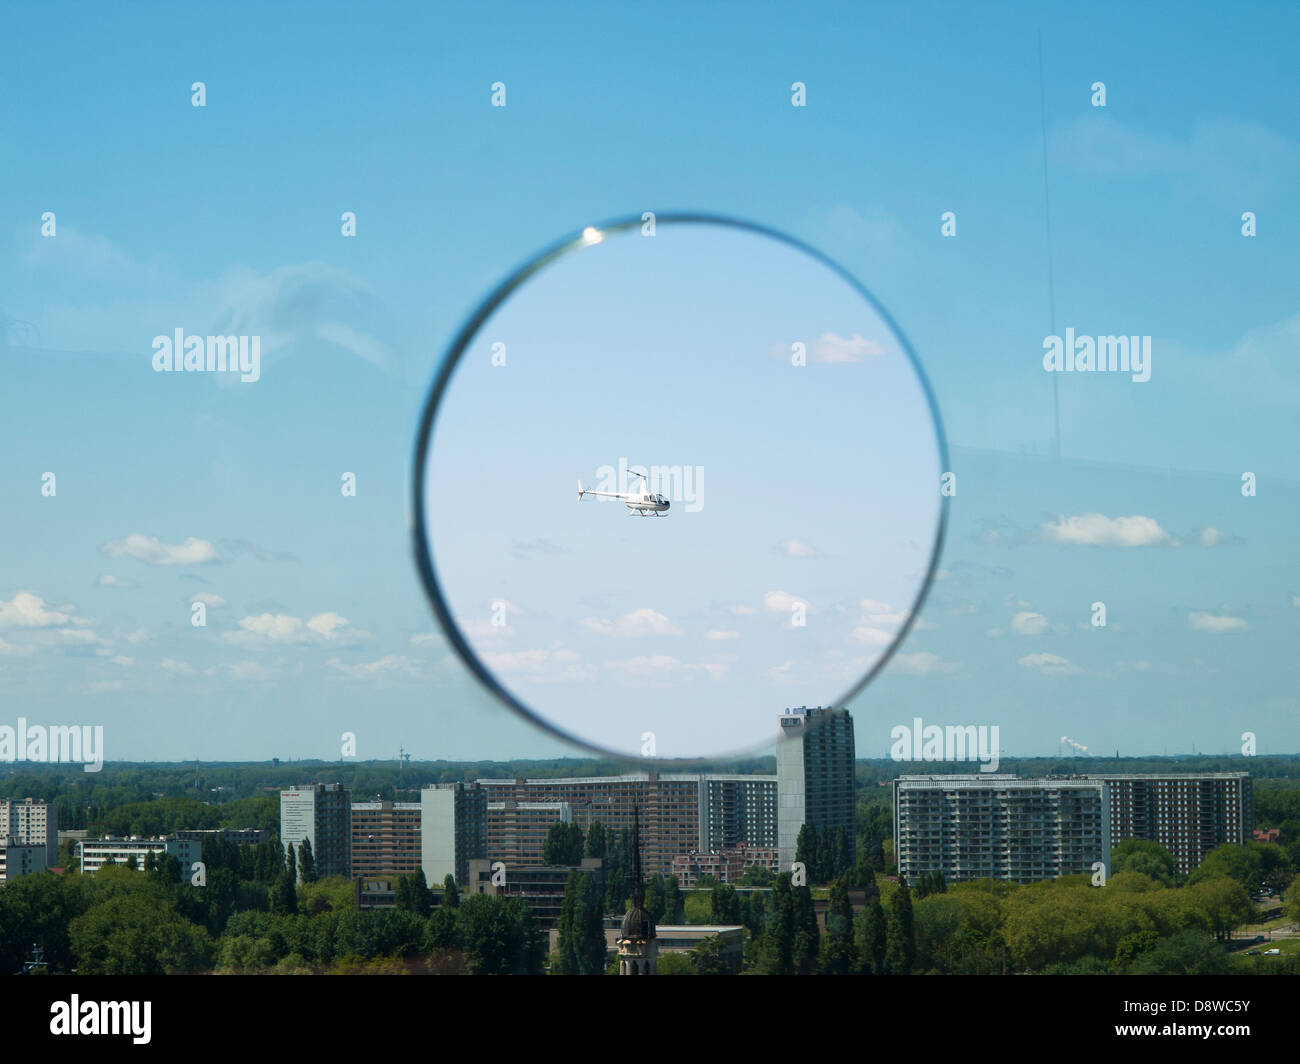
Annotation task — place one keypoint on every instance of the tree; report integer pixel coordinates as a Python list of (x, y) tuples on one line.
[(756, 875), (655, 898), (900, 941), (563, 845), (843, 852), (306, 863), (1189, 952), (1147, 857), (1242, 863), (137, 933), (499, 935), (673, 902), (618, 871), (805, 850), (675, 964), (284, 896), (724, 905), (423, 896), (565, 959), (776, 950), (803, 948), (838, 954), (450, 894), (595, 840), (1291, 900), (1132, 946), (581, 940), (709, 957), (589, 922), (413, 895), (290, 864)]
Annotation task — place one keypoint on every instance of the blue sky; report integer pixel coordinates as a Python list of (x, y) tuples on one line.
[(227, 219)]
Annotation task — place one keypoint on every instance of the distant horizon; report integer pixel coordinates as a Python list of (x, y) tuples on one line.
[(11, 768)]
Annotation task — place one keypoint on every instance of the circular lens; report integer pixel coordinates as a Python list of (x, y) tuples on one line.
[(676, 476)]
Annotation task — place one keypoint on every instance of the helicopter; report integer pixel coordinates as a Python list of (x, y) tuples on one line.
[(646, 504)]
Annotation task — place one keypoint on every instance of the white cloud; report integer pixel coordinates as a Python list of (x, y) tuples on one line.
[(1050, 664), (638, 623), (366, 669), (797, 548), (245, 670), (783, 673), (718, 634), (541, 666), (1029, 623), (833, 348), (275, 628), (153, 551), (922, 663), (1097, 530), (1211, 537), (783, 602), (326, 624), (741, 611), (427, 639), (83, 637), (209, 599), (285, 629), (26, 610), (182, 668), (15, 650), (1295, 601), (876, 637), (1216, 622), (109, 580)]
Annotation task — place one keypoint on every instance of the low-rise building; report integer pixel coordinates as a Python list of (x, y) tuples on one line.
[(95, 853), (541, 886)]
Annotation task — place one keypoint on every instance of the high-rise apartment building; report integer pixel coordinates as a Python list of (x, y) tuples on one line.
[(1000, 827), (815, 777), (517, 830), (737, 810), (386, 838), (1187, 814), (34, 822), (454, 830), (321, 812)]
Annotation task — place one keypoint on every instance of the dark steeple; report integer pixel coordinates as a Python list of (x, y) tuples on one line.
[(638, 884), (637, 925)]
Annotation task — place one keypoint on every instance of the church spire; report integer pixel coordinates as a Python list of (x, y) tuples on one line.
[(638, 884)]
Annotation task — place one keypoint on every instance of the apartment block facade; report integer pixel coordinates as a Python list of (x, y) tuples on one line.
[(1000, 827)]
